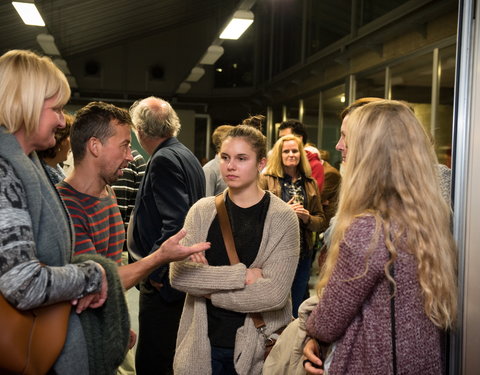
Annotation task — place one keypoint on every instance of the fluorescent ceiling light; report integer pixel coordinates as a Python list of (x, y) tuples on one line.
[(240, 22), (212, 55), (184, 88), (29, 13), (47, 42), (195, 74)]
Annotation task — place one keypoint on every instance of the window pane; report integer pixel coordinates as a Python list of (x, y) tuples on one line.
[(443, 127), (371, 85), (277, 119), (235, 66), (327, 22), (373, 9), (287, 34), (293, 110), (412, 82), (310, 118), (332, 107)]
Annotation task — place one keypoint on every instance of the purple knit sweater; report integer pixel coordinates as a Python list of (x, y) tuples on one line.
[(356, 313)]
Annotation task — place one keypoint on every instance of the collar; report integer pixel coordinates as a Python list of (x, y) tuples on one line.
[(168, 142)]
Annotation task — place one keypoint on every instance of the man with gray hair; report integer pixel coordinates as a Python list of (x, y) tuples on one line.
[(173, 182)]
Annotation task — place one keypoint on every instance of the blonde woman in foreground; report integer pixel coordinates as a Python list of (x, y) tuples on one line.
[(391, 239)]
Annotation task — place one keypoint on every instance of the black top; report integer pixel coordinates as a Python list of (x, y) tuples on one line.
[(291, 189), (296, 189), (247, 227)]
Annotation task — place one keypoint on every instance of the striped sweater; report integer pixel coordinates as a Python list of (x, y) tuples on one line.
[(98, 224), (126, 187)]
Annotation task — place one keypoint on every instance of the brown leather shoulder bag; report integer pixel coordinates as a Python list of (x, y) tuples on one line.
[(31, 340)]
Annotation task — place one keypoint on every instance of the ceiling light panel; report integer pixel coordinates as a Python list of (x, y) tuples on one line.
[(184, 88), (241, 21), (195, 74), (47, 42), (29, 13), (212, 55)]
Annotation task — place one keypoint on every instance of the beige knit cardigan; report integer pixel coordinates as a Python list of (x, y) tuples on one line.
[(278, 259)]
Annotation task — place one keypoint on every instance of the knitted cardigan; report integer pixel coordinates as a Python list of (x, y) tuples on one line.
[(270, 295), (354, 311), (53, 235), (107, 328)]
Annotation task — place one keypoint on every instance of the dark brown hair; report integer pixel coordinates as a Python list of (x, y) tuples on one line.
[(255, 121), (252, 136), (60, 136), (93, 120)]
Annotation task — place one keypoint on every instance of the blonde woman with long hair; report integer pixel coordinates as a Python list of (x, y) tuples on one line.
[(392, 257), (289, 177)]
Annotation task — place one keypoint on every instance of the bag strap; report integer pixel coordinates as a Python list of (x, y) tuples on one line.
[(230, 247), (226, 229)]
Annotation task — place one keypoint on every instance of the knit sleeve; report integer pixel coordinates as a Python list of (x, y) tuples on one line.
[(186, 275), (23, 280), (281, 245), (358, 270)]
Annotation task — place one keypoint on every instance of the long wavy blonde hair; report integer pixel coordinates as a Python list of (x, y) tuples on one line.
[(391, 174), (275, 165)]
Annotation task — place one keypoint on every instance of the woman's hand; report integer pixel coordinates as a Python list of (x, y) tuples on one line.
[(302, 213), (198, 258), (253, 274), (93, 300), (312, 363)]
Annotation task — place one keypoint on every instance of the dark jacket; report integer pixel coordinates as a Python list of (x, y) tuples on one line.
[(317, 222), (173, 182), (331, 188)]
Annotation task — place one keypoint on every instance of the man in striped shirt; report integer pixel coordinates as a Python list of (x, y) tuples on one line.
[(100, 140), (126, 187)]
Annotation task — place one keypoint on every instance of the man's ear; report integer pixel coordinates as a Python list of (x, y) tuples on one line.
[(93, 146)]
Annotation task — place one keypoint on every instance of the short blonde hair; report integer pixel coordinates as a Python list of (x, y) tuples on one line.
[(26, 81), (274, 162)]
